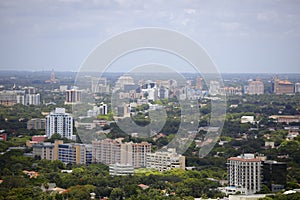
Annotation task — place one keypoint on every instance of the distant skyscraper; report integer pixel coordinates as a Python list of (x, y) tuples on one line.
[(297, 87), (255, 87), (73, 96), (199, 82), (283, 86), (32, 99), (103, 108), (214, 87), (124, 81), (52, 78), (245, 173), (60, 122)]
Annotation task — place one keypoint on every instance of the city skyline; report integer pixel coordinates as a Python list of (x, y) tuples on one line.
[(253, 37)]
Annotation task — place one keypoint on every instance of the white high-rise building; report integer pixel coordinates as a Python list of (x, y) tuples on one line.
[(103, 109), (60, 122), (214, 87), (32, 99), (245, 173), (73, 96)]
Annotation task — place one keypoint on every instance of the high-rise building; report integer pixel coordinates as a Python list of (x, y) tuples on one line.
[(135, 153), (245, 173), (199, 83), (52, 78), (106, 151), (124, 81), (283, 86), (58, 121), (297, 87), (255, 87), (214, 87), (73, 96), (32, 99), (163, 161), (274, 174), (10, 97), (24, 97), (111, 151), (103, 108)]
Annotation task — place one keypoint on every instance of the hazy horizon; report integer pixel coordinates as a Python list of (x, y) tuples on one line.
[(240, 37)]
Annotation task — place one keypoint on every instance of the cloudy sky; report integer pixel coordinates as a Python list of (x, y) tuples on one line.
[(260, 36)]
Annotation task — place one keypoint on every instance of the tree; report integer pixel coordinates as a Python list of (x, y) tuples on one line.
[(117, 194)]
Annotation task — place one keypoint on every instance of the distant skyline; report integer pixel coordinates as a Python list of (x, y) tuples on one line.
[(251, 36)]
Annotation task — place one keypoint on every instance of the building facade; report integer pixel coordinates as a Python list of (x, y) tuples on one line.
[(73, 96), (73, 153), (36, 123), (255, 87), (44, 150), (110, 151), (274, 175), (163, 161), (60, 122), (283, 86), (121, 170), (245, 173)]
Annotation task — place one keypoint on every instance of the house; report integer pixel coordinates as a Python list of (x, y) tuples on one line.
[(247, 119)]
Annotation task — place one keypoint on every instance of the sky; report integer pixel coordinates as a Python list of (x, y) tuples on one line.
[(249, 36)]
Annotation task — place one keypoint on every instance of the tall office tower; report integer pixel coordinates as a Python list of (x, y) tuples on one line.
[(199, 85), (163, 161), (297, 87), (255, 87), (274, 175), (214, 87), (283, 86), (124, 81), (73, 96), (245, 173), (52, 78), (58, 121), (103, 108), (32, 99)]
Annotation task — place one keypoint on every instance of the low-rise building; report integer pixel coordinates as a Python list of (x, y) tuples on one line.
[(36, 123), (285, 118), (121, 169), (73, 153), (247, 119), (165, 160)]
